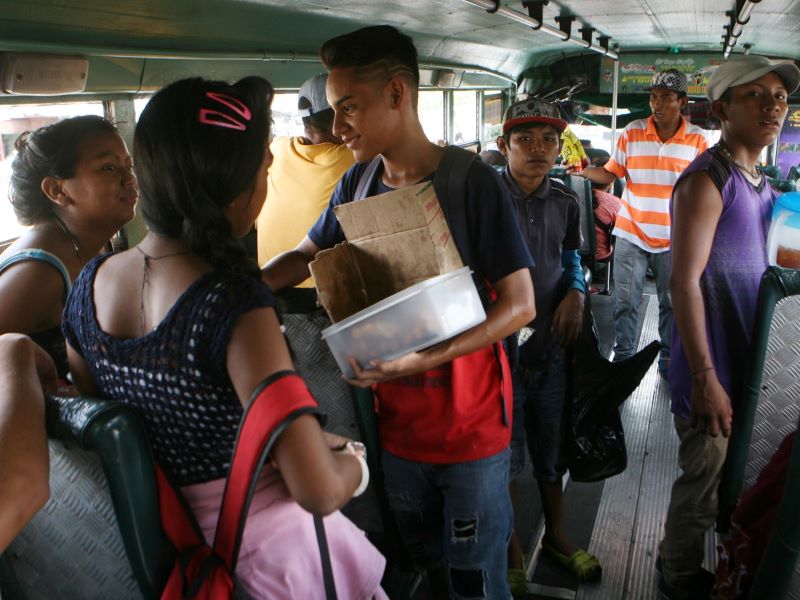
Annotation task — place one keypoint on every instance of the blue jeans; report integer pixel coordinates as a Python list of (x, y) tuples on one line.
[(630, 270), (459, 515), (539, 398)]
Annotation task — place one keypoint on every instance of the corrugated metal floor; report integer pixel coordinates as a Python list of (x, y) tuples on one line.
[(630, 518)]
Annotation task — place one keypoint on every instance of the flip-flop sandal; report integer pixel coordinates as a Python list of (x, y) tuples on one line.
[(518, 582), (583, 565), (518, 579)]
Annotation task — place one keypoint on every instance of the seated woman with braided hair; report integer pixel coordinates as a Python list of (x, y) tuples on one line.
[(182, 328), (72, 181)]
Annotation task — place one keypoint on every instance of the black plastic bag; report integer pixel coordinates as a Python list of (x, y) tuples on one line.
[(596, 447)]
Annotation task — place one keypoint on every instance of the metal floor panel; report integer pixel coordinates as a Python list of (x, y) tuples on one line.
[(616, 526)]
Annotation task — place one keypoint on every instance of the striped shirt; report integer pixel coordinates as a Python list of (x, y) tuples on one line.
[(651, 168)]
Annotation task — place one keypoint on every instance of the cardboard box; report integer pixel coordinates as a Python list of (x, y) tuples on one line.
[(395, 240)]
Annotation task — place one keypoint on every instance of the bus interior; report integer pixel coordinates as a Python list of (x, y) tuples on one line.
[(595, 58)]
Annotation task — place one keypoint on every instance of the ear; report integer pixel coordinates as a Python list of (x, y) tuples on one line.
[(684, 100), (502, 145), (397, 88), (718, 110), (53, 188)]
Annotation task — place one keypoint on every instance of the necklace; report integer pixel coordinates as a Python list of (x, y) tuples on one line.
[(146, 258), (754, 174), (72, 239)]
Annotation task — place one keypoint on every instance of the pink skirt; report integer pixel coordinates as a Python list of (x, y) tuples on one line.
[(279, 555)]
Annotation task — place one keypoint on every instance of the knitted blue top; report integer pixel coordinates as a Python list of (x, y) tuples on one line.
[(175, 375)]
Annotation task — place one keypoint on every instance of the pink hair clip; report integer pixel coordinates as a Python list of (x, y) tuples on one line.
[(210, 116)]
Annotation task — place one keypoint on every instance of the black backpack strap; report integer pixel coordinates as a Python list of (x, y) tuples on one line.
[(367, 177), (450, 185), (324, 554)]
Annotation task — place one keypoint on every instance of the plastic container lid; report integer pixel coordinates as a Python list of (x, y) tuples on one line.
[(397, 298)]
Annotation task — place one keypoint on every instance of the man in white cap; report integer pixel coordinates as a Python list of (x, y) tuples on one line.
[(650, 154), (301, 180), (720, 217)]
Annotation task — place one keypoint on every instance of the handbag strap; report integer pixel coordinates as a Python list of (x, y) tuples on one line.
[(325, 557), (274, 405)]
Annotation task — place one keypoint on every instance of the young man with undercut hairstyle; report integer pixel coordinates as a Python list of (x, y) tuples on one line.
[(721, 211), (444, 413)]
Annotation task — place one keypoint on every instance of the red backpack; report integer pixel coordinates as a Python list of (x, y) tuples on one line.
[(201, 572)]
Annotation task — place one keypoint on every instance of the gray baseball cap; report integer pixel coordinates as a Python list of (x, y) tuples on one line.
[(312, 98), (746, 68)]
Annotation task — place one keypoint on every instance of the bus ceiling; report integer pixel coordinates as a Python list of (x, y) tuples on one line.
[(559, 49)]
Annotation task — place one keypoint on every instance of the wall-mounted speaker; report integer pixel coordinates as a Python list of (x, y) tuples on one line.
[(42, 74)]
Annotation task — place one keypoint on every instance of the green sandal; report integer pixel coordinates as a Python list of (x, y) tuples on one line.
[(518, 579), (583, 565)]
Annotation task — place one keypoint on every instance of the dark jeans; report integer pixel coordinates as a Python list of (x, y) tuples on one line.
[(459, 515), (539, 398)]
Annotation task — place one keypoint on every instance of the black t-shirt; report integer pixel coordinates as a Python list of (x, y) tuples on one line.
[(498, 248)]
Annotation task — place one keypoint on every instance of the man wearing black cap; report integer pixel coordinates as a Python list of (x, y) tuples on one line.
[(650, 154), (549, 218)]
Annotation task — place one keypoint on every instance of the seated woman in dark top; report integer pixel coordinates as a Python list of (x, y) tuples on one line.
[(182, 328), (73, 182)]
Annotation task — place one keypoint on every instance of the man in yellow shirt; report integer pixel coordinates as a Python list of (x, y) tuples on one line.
[(301, 180)]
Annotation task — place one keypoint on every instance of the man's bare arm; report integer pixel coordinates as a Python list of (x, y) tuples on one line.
[(290, 268), (696, 212)]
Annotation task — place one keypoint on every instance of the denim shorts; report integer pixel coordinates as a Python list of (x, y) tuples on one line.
[(458, 516), (539, 416)]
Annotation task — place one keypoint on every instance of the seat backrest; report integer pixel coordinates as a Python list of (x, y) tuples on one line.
[(583, 188), (773, 171), (782, 185), (99, 535), (618, 188), (769, 406)]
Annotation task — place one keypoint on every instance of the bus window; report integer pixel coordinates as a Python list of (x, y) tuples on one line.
[(15, 119), (465, 116), (431, 114), (286, 121), (492, 115)]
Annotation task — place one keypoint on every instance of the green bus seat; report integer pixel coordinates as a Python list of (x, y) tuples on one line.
[(618, 188), (772, 171), (769, 409), (99, 535), (782, 185)]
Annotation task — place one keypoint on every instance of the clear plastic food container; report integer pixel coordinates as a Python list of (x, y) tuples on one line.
[(783, 242), (422, 315)]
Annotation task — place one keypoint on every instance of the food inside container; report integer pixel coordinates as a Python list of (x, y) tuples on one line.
[(783, 242), (419, 316)]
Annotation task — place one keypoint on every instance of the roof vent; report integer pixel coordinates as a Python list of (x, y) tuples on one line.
[(43, 74)]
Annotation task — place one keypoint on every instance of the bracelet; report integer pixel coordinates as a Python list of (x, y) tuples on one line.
[(358, 450), (701, 371), (362, 486)]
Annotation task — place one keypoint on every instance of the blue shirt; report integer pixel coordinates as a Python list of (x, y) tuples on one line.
[(497, 245)]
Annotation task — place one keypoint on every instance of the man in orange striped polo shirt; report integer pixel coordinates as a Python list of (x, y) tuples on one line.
[(650, 154)]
